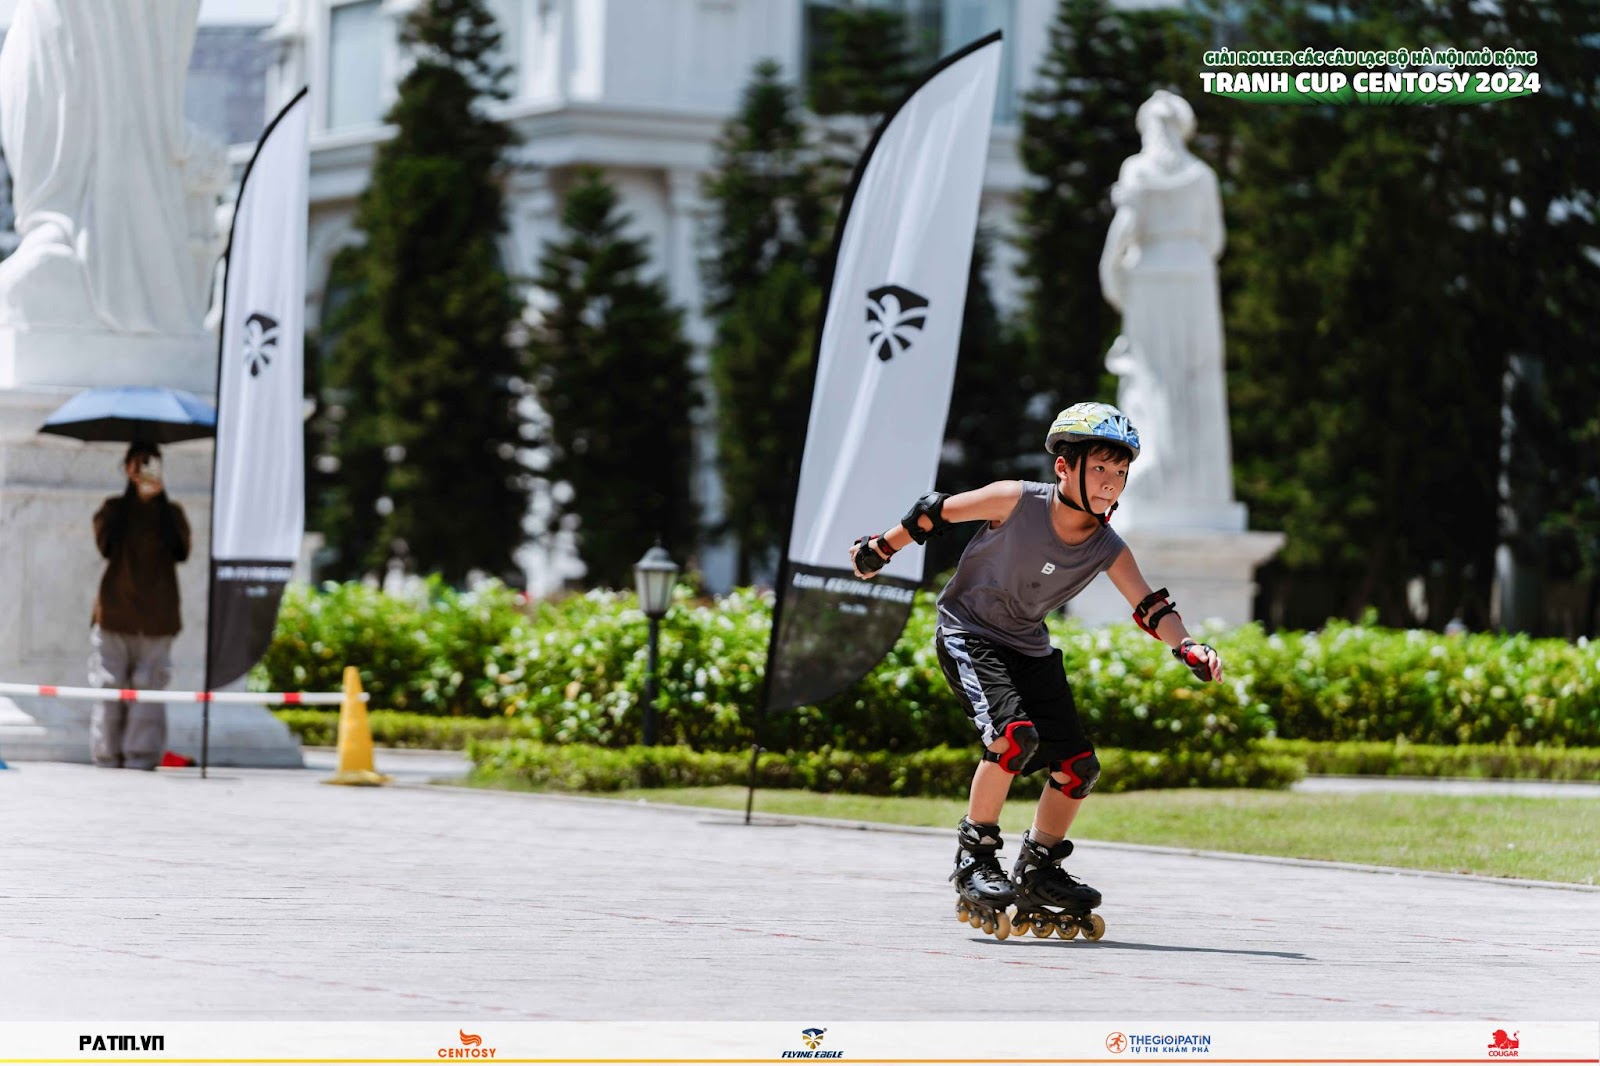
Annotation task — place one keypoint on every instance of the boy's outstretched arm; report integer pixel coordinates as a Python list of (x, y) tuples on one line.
[(1168, 628), (993, 504)]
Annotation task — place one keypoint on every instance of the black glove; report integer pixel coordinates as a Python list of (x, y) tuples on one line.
[(1198, 658), (867, 557)]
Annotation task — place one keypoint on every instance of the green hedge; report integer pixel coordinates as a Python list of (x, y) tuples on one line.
[(941, 772), (1401, 759), (403, 729), (573, 671), (399, 729)]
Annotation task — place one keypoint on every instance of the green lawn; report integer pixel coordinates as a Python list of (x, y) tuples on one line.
[(1501, 836)]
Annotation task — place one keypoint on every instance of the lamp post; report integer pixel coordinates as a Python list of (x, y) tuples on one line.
[(654, 576)]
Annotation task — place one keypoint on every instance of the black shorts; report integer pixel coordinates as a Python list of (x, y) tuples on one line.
[(999, 685)]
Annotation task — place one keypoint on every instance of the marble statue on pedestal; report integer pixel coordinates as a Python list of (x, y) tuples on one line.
[(1159, 269)]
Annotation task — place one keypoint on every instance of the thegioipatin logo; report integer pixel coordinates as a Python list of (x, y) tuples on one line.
[(1502, 1046), (260, 342), (812, 1038), (471, 1048), (1160, 1043), (895, 315)]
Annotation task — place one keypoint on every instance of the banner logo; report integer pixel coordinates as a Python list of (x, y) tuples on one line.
[(260, 342), (813, 1040), (1117, 1043), (471, 1048), (894, 316), (1503, 1046)]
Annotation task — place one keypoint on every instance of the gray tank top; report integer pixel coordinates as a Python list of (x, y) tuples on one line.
[(1009, 579)]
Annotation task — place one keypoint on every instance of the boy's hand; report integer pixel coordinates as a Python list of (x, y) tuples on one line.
[(869, 554), (1201, 659)]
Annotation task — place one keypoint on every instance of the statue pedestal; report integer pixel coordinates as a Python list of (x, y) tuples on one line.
[(83, 358), (50, 488), (1210, 573)]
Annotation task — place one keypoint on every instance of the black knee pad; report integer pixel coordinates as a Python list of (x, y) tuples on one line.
[(1082, 772), (1022, 740)]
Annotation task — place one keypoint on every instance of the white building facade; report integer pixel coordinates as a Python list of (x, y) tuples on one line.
[(640, 88)]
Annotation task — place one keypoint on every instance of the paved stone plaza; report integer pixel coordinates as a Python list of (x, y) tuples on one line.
[(263, 894)]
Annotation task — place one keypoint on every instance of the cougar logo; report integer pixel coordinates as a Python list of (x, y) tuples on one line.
[(260, 342), (1502, 1042), (895, 315)]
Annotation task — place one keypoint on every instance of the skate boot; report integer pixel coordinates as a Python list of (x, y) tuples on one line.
[(1050, 900), (983, 892)]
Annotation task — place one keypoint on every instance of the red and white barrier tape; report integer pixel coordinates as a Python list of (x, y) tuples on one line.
[(139, 695)]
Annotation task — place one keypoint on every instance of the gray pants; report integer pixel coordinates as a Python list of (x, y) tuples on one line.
[(121, 733)]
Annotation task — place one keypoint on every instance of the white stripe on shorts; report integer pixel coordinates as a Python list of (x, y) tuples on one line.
[(969, 683)]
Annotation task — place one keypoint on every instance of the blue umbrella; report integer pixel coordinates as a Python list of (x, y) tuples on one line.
[(134, 413)]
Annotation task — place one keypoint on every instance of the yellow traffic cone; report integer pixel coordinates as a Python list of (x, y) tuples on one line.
[(355, 738)]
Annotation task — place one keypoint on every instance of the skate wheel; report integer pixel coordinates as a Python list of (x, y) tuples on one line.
[(987, 925), (1066, 928), (961, 912), (1021, 926), (1095, 929), (1043, 927), (975, 920), (1002, 926)]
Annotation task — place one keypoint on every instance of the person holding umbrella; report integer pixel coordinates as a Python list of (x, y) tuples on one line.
[(143, 535)]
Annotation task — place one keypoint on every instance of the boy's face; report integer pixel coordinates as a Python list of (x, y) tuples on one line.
[(1103, 481)]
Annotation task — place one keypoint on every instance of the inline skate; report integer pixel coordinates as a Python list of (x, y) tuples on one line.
[(1050, 900), (983, 892)]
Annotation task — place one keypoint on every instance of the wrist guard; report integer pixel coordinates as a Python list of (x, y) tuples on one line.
[(1151, 610), (931, 505), (872, 553), (1192, 654)]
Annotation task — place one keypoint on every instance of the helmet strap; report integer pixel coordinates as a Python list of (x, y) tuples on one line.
[(1083, 493)]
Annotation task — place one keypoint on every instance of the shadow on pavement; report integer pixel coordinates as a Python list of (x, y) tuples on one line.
[(1124, 945)]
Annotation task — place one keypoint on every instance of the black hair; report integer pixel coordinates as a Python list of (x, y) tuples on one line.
[(140, 448), (1076, 451)]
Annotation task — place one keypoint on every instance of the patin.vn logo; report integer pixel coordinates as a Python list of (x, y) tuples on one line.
[(813, 1041), (1502, 1046), (471, 1048)]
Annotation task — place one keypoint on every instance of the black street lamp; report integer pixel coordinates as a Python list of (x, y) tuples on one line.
[(654, 576)]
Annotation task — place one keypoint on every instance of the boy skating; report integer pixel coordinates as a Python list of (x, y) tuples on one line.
[(1041, 545)]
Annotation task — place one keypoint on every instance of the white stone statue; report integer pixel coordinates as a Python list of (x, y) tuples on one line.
[(113, 190), (1159, 269)]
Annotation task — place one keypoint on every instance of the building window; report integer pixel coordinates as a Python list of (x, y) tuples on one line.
[(934, 29), (355, 64)]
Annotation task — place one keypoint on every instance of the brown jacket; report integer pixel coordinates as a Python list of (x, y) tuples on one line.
[(142, 541)]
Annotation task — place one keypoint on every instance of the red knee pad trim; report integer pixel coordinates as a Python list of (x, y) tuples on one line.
[(1076, 785), (1022, 740)]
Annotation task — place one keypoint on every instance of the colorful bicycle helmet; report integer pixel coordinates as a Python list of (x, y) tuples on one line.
[(1092, 421)]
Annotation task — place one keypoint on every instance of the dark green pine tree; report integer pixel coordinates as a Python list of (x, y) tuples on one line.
[(1100, 64), (611, 370), (767, 227), (345, 436), (990, 435), (427, 342)]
